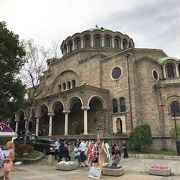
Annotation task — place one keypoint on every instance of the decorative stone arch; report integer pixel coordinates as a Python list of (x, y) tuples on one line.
[(96, 115), (44, 119), (95, 40), (169, 102), (99, 98), (71, 99), (170, 63), (75, 116), (61, 79), (21, 119), (58, 118)]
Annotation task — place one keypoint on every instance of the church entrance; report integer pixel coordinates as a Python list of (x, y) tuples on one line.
[(58, 119)]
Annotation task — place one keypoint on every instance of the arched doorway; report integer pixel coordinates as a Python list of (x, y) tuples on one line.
[(119, 125), (76, 117), (32, 122), (22, 122), (58, 119), (95, 116), (44, 121)]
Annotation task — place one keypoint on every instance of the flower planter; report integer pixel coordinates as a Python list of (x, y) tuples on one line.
[(67, 166), (160, 170)]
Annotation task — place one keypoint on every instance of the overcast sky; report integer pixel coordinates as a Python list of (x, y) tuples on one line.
[(151, 23)]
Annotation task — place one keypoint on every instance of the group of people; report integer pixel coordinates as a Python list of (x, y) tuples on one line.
[(6, 162), (90, 153)]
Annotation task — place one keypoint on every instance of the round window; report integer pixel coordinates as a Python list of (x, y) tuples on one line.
[(116, 73), (155, 75)]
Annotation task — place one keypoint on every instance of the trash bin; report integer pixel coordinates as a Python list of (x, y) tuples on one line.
[(178, 147)]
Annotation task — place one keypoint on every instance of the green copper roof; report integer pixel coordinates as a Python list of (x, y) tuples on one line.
[(169, 81), (163, 59)]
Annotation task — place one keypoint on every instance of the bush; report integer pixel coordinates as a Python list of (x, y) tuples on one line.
[(24, 148), (140, 137), (79, 128)]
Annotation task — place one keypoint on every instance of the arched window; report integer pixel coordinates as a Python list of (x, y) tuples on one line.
[(116, 43), (64, 86), (73, 83), (69, 85), (59, 87), (97, 42), (65, 49), (70, 46), (170, 70), (87, 43), (77, 44), (179, 69), (114, 105), (124, 43), (130, 45), (122, 103), (175, 108), (107, 42)]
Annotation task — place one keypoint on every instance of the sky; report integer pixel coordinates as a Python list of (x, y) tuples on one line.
[(150, 23)]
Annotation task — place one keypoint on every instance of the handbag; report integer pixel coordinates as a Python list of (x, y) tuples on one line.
[(7, 166)]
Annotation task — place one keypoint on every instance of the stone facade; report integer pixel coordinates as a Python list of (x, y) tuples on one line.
[(103, 84)]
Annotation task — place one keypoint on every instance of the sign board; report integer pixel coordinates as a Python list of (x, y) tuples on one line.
[(94, 173)]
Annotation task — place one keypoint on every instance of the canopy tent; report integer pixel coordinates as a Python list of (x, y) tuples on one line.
[(5, 130)]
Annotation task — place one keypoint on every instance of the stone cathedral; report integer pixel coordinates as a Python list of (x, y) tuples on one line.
[(103, 83)]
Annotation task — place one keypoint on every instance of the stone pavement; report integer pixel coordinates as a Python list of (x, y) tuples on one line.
[(135, 169)]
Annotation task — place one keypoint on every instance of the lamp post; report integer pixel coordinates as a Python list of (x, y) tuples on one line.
[(176, 135), (175, 126)]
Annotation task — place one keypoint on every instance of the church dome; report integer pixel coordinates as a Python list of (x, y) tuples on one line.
[(96, 38)]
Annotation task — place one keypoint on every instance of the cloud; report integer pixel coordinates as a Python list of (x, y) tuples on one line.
[(153, 24)]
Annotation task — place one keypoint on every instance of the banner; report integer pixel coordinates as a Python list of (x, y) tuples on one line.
[(94, 172)]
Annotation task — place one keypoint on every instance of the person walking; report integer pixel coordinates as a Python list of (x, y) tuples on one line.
[(124, 147), (8, 162), (1, 162), (56, 153)]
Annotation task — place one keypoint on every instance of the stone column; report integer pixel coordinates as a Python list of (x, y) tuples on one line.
[(122, 44), (82, 43), (103, 40), (37, 126), (164, 71), (85, 109), (92, 41), (112, 42), (177, 72), (66, 112), (50, 114)]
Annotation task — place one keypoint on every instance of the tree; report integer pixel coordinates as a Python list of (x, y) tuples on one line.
[(140, 137), (11, 60), (175, 132), (32, 74)]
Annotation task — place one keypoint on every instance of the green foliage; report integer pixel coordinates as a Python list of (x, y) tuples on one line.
[(11, 60), (173, 133), (79, 128), (140, 137), (23, 148)]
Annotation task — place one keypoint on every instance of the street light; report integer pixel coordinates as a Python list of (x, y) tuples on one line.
[(176, 135)]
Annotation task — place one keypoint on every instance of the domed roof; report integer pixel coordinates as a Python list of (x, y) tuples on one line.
[(163, 59), (88, 39), (97, 28)]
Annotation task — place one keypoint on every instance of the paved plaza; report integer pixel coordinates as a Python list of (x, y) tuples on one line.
[(135, 169)]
